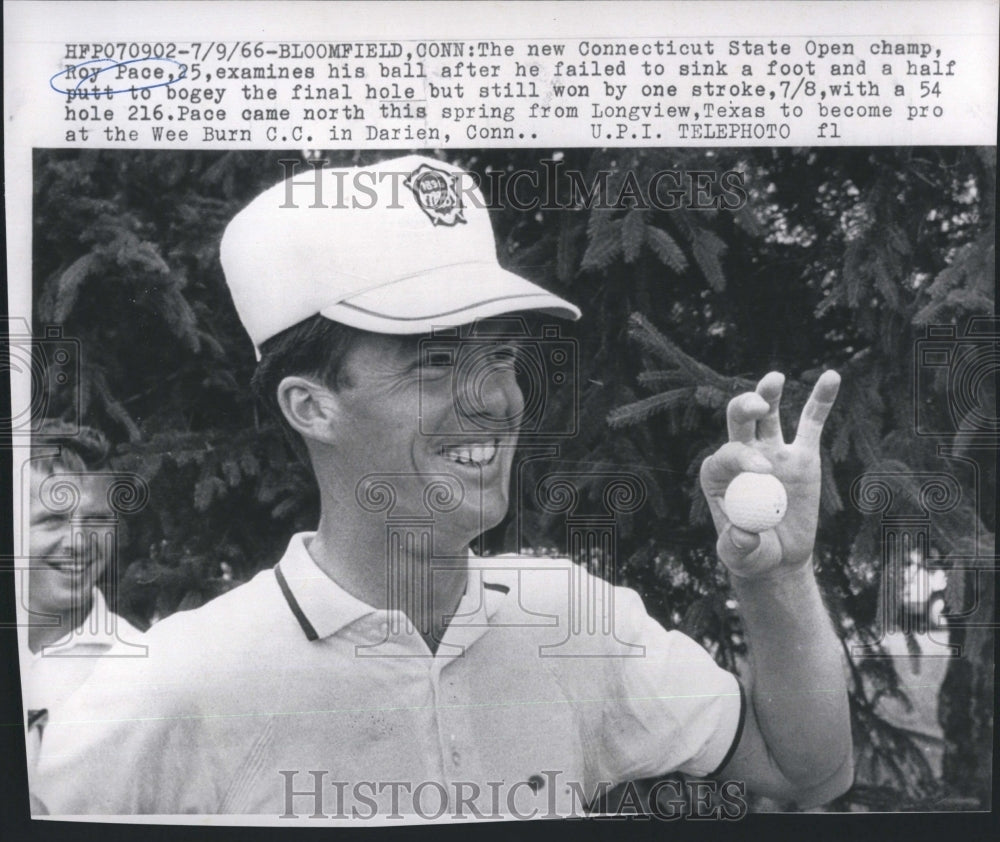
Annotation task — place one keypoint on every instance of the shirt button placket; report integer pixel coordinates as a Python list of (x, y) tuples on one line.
[(448, 737)]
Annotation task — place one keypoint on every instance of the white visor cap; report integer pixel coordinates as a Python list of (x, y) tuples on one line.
[(403, 247)]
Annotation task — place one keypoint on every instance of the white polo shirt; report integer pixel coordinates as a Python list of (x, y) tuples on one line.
[(52, 675), (547, 685)]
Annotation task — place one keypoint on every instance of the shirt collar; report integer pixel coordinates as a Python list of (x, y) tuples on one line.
[(323, 608), (86, 635)]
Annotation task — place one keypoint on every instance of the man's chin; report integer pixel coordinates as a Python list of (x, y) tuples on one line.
[(64, 600), (463, 526)]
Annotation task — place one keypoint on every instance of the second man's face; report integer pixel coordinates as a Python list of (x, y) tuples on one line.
[(62, 575), (421, 420)]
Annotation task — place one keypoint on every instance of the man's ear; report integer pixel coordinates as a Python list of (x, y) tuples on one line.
[(310, 407)]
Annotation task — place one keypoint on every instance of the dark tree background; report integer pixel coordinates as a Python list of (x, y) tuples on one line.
[(840, 258)]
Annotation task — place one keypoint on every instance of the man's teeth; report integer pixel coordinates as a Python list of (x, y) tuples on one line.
[(477, 454)]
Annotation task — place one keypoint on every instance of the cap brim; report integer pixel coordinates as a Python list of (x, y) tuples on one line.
[(447, 296)]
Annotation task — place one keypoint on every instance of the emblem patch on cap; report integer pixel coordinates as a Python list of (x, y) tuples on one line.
[(437, 194)]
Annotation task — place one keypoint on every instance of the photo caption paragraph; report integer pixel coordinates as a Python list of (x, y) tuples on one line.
[(583, 92)]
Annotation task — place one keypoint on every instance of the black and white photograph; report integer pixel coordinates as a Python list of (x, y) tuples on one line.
[(511, 482), (379, 485)]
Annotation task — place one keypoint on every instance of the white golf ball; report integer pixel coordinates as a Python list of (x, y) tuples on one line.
[(755, 502)]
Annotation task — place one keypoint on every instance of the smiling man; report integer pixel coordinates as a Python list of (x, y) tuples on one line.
[(71, 624), (366, 429), (380, 670)]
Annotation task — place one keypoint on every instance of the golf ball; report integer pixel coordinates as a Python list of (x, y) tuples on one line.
[(755, 502)]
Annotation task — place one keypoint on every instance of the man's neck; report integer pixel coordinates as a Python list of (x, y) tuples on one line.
[(426, 583)]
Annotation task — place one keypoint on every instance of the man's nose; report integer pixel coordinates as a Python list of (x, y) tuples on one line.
[(490, 398)]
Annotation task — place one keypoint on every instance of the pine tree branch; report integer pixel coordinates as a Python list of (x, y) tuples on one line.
[(698, 373), (635, 413)]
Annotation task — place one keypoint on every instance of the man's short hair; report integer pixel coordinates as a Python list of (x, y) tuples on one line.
[(315, 347), (80, 448)]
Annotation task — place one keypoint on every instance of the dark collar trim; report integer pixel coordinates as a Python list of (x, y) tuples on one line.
[(293, 603), (736, 737)]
